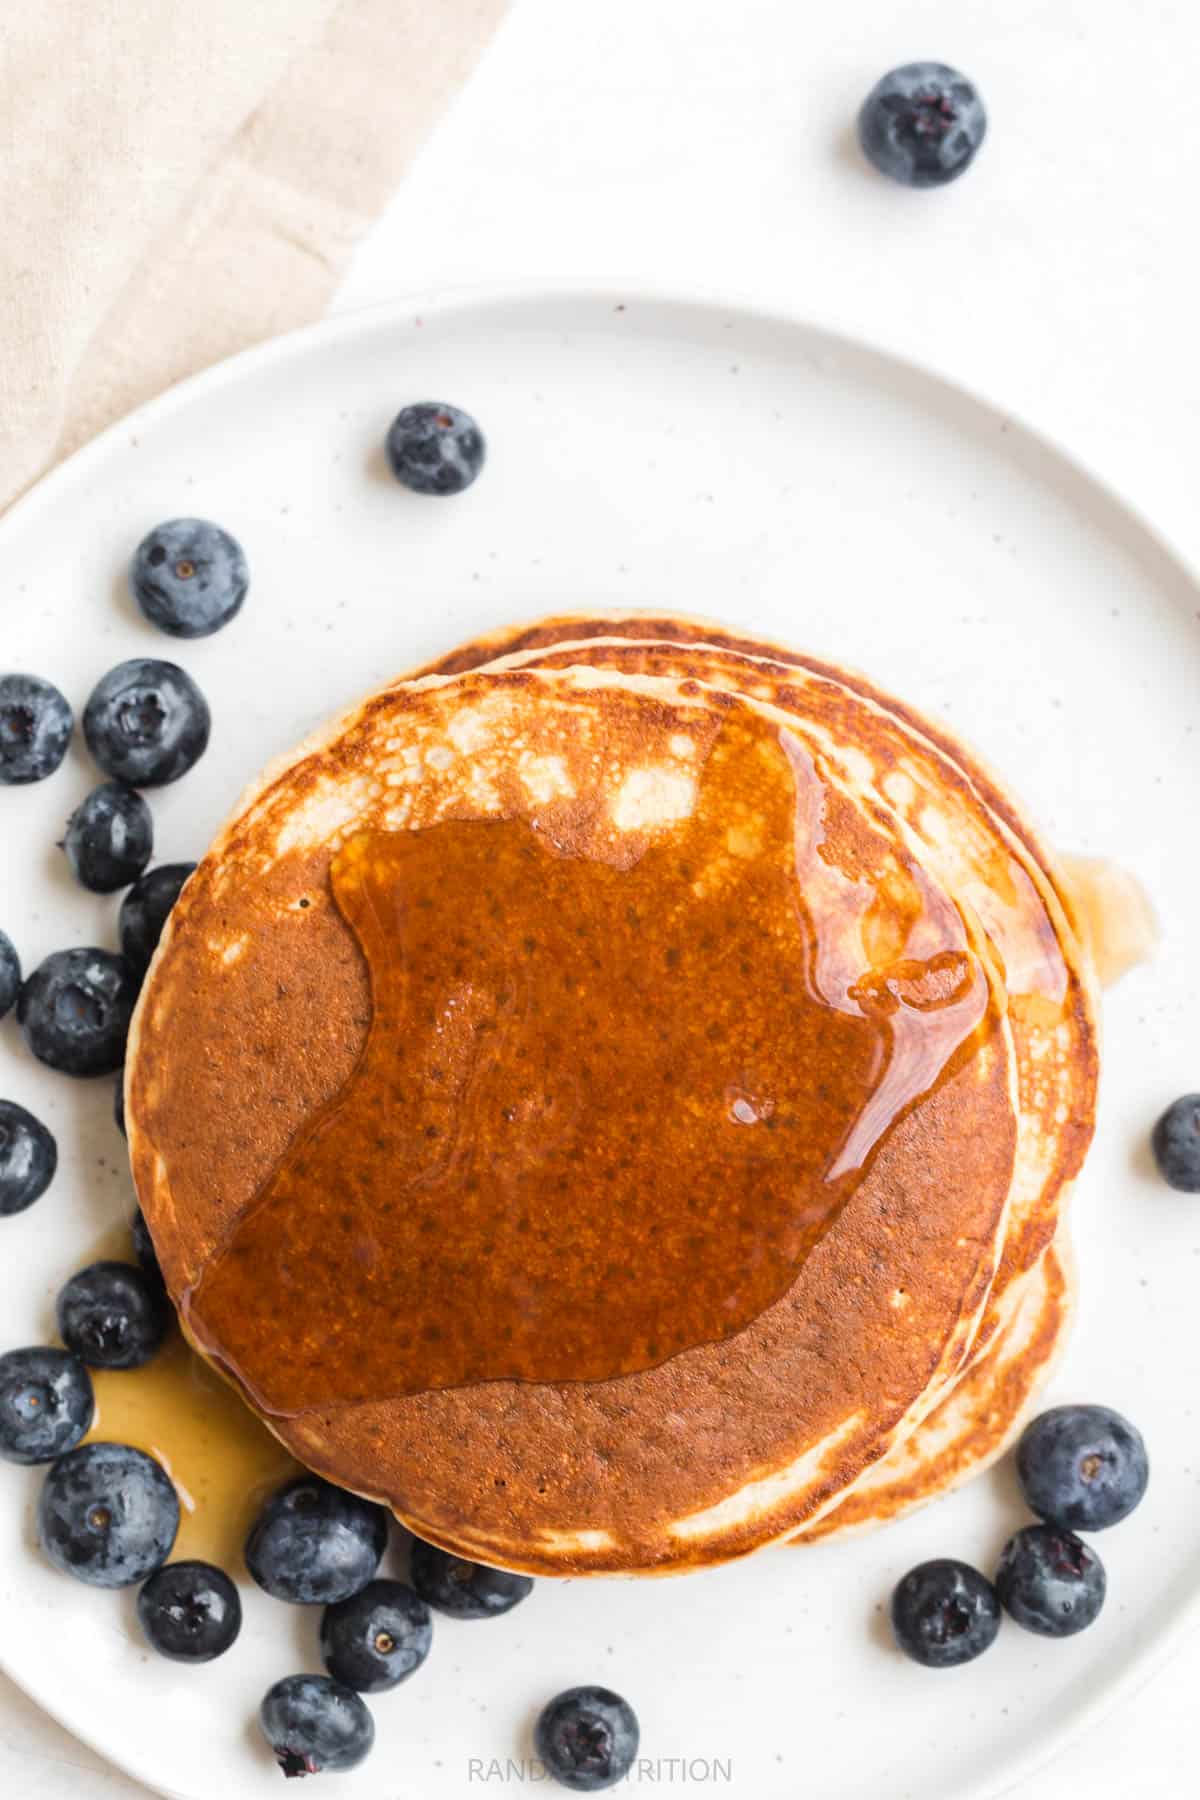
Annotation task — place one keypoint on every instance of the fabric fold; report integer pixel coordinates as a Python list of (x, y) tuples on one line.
[(180, 182)]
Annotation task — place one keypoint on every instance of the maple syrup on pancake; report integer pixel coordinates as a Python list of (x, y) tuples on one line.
[(606, 1108)]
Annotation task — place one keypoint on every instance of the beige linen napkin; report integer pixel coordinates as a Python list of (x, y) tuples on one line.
[(181, 178)]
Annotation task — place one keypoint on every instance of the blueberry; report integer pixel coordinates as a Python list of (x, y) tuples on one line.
[(28, 1158), (143, 1245), (313, 1724), (107, 1514), (119, 1105), (376, 1638), (435, 449), (144, 911), (466, 1590), (588, 1738), (75, 1010), (146, 723), (189, 577), (190, 1611), (46, 1404), (922, 124), (314, 1543), (944, 1613), (113, 1315), (36, 723), (1082, 1467), (1050, 1581), (1176, 1144), (10, 974), (109, 838)]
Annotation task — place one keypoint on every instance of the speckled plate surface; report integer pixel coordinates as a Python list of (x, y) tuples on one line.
[(645, 451)]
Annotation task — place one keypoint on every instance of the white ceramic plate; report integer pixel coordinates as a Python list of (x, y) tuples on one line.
[(644, 452)]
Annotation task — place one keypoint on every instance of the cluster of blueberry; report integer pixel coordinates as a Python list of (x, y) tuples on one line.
[(1081, 1468), (108, 1513), (315, 1545), (146, 723)]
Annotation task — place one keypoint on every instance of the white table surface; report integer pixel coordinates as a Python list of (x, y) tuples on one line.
[(708, 143)]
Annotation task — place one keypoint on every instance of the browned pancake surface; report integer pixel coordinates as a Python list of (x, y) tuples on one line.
[(255, 1017)]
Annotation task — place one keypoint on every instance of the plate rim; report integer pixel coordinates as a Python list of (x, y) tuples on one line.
[(771, 312)]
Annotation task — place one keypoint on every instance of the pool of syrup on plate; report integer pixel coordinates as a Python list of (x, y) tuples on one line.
[(222, 1460)]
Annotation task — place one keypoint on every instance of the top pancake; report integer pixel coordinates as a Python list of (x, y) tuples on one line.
[(258, 1008), (976, 1414), (973, 1417)]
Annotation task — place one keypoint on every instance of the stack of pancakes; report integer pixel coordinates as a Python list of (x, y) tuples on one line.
[(860, 1300)]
